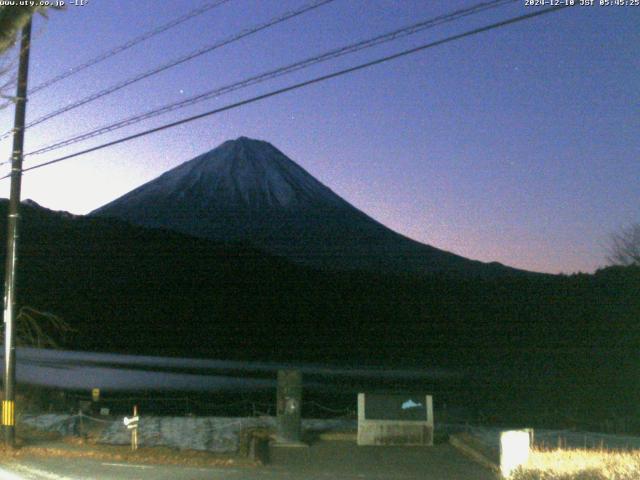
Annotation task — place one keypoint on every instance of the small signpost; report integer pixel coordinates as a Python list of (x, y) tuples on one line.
[(132, 424)]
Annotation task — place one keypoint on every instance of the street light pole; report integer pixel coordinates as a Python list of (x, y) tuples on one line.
[(8, 402)]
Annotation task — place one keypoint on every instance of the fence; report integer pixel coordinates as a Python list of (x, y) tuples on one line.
[(213, 434), (207, 404)]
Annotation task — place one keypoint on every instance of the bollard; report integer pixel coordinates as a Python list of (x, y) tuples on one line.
[(514, 450)]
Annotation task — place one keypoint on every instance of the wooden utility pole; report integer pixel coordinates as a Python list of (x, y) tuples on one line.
[(8, 402)]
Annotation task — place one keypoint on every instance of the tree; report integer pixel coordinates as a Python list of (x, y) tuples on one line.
[(35, 328), (12, 19), (624, 248)]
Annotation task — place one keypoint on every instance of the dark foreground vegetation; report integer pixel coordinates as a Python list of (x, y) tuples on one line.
[(539, 348)]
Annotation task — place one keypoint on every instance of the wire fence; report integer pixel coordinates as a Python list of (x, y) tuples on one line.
[(198, 405)]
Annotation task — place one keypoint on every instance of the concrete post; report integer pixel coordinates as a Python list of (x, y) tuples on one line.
[(289, 407), (514, 450)]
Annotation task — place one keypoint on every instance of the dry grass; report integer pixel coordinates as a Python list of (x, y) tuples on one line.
[(580, 465)]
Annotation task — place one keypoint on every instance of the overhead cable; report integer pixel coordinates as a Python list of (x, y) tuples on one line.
[(253, 80), (125, 46), (201, 51), (306, 83)]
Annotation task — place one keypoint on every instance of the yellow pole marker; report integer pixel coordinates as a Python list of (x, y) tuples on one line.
[(8, 413)]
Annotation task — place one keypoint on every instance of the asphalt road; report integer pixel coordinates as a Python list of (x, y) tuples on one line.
[(323, 461)]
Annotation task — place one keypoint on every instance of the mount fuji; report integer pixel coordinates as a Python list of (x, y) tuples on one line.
[(248, 191)]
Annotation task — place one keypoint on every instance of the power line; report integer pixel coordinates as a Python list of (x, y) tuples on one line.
[(306, 83), (201, 51), (7, 69), (127, 45), (329, 55), (414, 28)]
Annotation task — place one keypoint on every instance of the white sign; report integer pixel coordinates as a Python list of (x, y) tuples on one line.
[(131, 422)]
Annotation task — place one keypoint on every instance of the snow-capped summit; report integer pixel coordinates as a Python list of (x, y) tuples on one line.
[(248, 191), (244, 174)]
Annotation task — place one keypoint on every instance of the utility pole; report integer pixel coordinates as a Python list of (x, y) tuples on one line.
[(8, 402)]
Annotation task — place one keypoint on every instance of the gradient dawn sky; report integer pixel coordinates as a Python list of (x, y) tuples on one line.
[(519, 145)]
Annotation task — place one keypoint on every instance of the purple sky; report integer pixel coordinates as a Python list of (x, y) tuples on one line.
[(519, 145)]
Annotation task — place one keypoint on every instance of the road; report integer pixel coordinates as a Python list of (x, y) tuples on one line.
[(323, 461)]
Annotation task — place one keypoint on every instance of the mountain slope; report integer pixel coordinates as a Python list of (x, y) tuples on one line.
[(248, 191), (130, 289), (525, 340)]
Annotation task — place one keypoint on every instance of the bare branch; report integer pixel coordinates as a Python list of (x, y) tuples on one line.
[(35, 328), (625, 247)]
